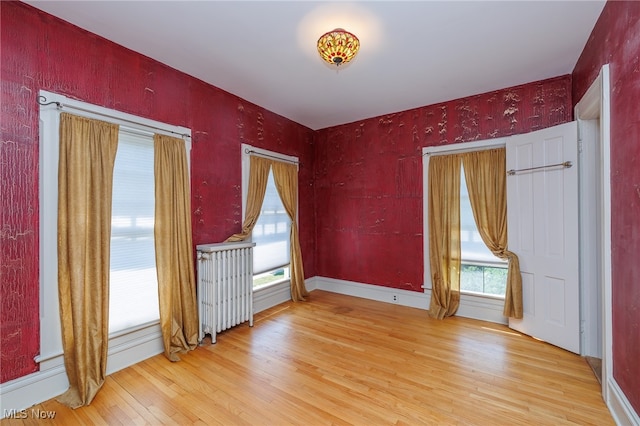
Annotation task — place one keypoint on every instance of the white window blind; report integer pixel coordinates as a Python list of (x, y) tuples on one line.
[(271, 232), (133, 294)]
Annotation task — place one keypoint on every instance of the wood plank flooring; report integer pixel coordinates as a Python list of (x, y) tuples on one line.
[(339, 360)]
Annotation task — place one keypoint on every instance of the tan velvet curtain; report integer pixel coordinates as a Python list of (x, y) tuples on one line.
[(85, 180), (444, 234), (286, 179), (174, 248), (258, 176), (485, 175)]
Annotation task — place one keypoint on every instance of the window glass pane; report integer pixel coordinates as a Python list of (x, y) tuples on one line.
[(471, 244), (270, 277), (481, 271), (271, 233), (471, 278), (483, 279), (133, 291), (495, 281)]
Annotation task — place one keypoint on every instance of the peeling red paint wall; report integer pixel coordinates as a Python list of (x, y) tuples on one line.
[(369, 176), (615, 40), (43, 52)]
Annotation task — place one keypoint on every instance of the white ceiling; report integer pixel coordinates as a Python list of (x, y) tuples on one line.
[(413, 53)]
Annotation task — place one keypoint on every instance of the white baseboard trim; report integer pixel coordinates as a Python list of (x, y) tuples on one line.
[(475, 307), (132, 349), (311, 283), (619, 406), (124, 350), (271, 296), (373, 292), (265, 298), (24, 392), (481, 308)]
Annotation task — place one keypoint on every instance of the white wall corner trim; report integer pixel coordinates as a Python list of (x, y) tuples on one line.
[(619, 406), (311, 283)]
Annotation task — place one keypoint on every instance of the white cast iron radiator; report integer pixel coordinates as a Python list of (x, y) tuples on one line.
[(225, 286)]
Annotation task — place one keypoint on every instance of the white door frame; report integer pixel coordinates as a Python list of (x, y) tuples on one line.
[(595, 105), (590, 223)]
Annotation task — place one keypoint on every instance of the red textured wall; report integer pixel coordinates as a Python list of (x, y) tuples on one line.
[(616, 40), (369, 176), (41, 52)]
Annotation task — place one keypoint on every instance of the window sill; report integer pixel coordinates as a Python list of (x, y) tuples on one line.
[(261, 287), (471, 293), (501, 264), (485, 295), (133, 329)]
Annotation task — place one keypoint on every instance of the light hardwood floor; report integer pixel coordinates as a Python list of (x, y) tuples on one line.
[(343, 360)]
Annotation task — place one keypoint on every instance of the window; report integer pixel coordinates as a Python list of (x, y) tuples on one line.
[(272, 237), (272, 232), (134, 325), (133, 285), (481, 271)]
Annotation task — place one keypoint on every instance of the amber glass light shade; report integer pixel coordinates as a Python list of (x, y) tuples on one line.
[(338, 47)]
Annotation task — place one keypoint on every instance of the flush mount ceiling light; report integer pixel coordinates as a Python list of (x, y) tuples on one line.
[(338, 47)]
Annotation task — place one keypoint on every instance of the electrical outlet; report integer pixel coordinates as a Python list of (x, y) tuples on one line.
[(395, 298)]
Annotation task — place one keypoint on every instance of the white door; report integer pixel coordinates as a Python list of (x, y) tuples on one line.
[(542, 218)]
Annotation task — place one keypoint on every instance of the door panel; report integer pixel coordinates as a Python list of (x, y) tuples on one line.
[(528, 296), (555, 290), (542, 217)]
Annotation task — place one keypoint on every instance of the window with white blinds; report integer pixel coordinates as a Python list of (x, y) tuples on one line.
[(133, 297), (271, 232), (133, 287)]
